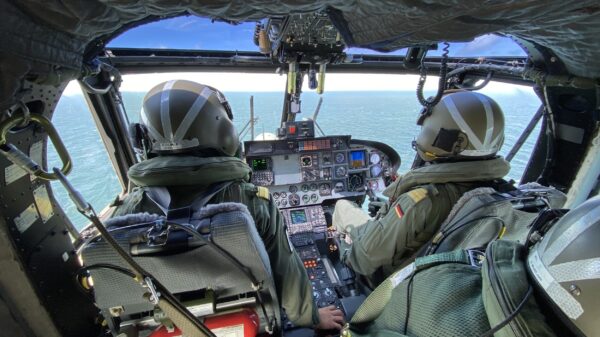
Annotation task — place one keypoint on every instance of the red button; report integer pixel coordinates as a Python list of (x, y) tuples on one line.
[(292, 129)]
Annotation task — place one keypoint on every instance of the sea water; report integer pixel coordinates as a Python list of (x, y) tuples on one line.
[(387, 116)]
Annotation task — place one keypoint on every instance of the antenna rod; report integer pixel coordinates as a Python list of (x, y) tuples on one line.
[(316, 114), (523, 138), (251, 117)]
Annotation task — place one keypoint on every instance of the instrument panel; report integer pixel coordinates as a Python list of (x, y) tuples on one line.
[(305, 177), (302, 172)]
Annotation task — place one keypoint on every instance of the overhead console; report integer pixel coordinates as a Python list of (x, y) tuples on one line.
[(313, 171)]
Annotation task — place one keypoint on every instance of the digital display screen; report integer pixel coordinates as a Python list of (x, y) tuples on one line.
[(312, 145), (260, 164), (298, 216), (357, 159)]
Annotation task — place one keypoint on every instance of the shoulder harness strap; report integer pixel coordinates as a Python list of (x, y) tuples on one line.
[(161, 197)]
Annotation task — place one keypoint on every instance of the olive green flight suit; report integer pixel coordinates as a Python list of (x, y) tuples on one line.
[(187, 177), (419, 202), (448, 295)]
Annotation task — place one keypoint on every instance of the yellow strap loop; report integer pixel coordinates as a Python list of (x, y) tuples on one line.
[(19, 158)]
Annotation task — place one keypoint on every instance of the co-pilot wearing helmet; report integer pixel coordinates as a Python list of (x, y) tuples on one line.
[(189, 142), (546, 288), (459, 140)]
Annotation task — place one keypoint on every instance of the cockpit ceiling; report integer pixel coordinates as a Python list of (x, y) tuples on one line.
[(61, 32)]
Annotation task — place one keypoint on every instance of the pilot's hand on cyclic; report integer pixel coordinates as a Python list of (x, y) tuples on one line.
[(375, 205), (330, 318)]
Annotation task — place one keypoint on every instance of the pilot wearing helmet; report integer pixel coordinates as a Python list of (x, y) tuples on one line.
[(459, 140), (189, 144), (548, 287)]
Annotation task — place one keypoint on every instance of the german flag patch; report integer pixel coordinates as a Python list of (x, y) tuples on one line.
[(399, 211)]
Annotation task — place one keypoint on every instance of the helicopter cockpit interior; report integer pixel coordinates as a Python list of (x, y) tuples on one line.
[(56, 280)]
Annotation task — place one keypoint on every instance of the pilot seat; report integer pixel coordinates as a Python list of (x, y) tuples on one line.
[(216, 264)]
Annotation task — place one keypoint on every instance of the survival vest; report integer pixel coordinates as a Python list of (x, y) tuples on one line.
[(484, 214), (458, 293)]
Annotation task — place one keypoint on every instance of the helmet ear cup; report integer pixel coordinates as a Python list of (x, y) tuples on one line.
[(453, 141), (462, 142)]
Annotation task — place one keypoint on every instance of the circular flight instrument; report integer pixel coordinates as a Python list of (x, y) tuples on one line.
[(284, 202), (339, 187), (283, 195), (305, 198), (376, 171), (313, 187), (375, 158), (340, 171), (294, 199), (325, 189), (276, 195), (305, 188), (314, 197), (355, 182), (340, 157), (293, 189)]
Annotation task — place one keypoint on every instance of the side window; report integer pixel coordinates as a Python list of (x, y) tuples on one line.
[(519, 104), (92, 174)]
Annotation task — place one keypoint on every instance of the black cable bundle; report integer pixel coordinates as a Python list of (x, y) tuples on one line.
[(432, 101)]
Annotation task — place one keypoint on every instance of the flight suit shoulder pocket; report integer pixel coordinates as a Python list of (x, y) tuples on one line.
[(262, 192), (411, 198), (417, 194)]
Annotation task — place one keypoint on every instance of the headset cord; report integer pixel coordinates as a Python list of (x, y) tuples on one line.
[(430, 102), (510, 317)]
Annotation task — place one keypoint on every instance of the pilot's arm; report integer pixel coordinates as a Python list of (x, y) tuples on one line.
[(293, 287), (409, 223)]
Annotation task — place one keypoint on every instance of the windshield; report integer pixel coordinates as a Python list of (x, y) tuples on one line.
[(366, 106), (192, 32)]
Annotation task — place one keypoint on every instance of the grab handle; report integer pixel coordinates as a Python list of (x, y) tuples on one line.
[(22, 160)]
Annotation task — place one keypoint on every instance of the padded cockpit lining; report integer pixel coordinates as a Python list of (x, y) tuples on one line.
[(60, 32)]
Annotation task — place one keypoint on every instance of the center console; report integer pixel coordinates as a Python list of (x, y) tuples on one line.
[(306, 175)]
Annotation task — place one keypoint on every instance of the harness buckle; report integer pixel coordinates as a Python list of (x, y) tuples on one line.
[(476, 257), (158, 234), (154, 294)]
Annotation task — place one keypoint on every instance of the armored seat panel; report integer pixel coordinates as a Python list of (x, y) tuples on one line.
[(230, 227)]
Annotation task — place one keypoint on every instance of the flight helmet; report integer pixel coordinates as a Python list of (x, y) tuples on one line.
[(565, 264), (463, 125), (183, 116)]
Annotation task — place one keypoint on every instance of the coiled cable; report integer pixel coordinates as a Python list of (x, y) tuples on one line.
[(432, 101)]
